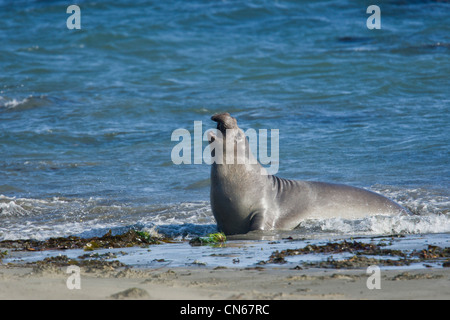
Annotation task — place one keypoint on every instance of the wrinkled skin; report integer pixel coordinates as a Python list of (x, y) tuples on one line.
[(245, 198)]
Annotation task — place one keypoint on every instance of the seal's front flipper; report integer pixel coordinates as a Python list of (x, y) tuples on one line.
[(257, 222)]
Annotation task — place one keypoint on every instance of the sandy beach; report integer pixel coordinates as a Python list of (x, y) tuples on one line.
[(414, 267), (221, 283)]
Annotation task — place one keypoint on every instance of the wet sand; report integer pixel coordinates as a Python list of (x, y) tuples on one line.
[(258, 283), (134, 266)]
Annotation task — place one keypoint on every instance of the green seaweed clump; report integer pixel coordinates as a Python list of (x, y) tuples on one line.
[(3, 254), (214, 239)]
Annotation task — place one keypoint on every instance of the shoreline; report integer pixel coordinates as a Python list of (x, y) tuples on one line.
[(135, 266), (200, 283)]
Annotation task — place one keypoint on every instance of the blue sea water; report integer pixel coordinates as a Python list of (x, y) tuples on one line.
[(86, 116)]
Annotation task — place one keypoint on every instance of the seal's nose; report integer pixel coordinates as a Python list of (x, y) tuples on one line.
[(220, 117), (224, 121)]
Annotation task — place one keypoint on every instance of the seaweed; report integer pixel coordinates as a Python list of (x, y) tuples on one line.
[(359, 251), (3, 254), (357, 261), (213, 239), (63, 261), (432, 252), (131, 238), (354, 247)]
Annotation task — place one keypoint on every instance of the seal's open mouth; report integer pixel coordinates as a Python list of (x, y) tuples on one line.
[(211, 137), (221, 127)]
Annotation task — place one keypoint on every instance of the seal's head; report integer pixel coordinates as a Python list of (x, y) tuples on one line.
[(229, 138), (225, 124)]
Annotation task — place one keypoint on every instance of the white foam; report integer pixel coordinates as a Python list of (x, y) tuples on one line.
[(379, 225), (14, 103), (436, 223), (12, 209), (44, 218), (57, 217), (420, 201)]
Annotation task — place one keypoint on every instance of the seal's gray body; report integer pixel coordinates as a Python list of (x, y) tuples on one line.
[(245, 198)]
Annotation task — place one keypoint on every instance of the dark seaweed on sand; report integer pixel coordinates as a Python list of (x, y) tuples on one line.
[(360, 251), (130, 238)]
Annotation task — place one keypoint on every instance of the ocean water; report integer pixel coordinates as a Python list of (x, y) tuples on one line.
[(86, 116)]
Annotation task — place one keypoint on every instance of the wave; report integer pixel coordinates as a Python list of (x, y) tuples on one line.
[(377, 225), (12, 208), (24, 218), (23, 104)]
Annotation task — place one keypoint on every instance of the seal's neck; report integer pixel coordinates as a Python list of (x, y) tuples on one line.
[(237, 156)]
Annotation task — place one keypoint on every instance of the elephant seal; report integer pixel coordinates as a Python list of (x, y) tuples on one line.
[(245, 198)]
